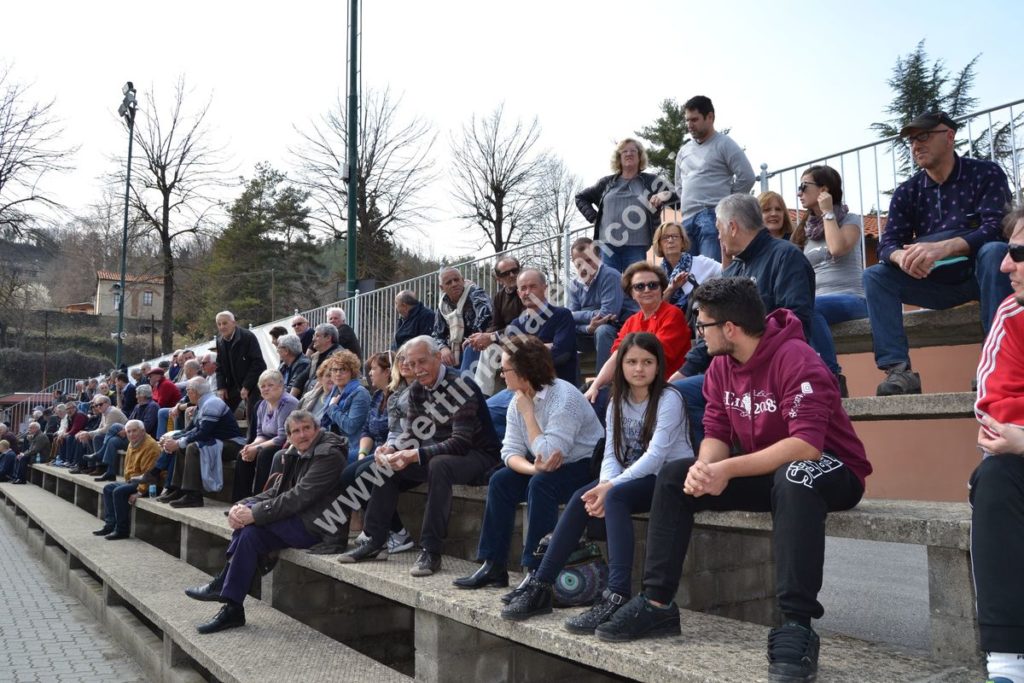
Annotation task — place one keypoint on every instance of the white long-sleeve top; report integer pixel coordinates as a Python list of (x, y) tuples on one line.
[(670, 440), (567, 421)]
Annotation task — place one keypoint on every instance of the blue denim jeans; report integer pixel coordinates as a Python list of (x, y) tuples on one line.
[(108, 456), (497, 405), (692, 389), (620, 504), (830, 309), (542, 492), (623, 257), (601, 342), (469, 356), (161, 421), (887, 288), (703, 234)]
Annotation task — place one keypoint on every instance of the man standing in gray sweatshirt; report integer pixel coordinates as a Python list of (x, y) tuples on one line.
[(709, 167)]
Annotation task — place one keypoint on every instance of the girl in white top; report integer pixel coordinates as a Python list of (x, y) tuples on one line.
[(647, 427)]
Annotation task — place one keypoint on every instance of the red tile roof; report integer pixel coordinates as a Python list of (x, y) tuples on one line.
[(116, 277)]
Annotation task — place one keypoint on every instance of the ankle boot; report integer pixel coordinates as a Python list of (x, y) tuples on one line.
[(210, 592)]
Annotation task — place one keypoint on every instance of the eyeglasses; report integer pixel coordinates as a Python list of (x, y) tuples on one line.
[(667, 238), (294, 325), (924, 135), (1016, 252), (802, 187), (505, 273), (649, 286), (505, 371), (703, 326)]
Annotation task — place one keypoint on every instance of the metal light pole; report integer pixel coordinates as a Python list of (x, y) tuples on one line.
[(353, 132), (127, 112)]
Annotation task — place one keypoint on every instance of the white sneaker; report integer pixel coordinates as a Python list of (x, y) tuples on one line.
[(399, 542), (362, 538)]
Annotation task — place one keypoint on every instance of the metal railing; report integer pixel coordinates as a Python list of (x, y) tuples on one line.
[(867, 182), (16, 416)]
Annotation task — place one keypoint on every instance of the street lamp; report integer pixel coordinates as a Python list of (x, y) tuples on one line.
[(127, 112)]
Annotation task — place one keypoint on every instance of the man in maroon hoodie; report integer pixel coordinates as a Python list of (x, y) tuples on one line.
[(776, 439)]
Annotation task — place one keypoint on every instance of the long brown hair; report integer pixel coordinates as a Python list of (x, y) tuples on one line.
[(823, 176), (620, 391), (382, 361)]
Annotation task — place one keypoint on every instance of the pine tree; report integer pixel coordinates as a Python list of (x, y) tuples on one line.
[(664, 138)]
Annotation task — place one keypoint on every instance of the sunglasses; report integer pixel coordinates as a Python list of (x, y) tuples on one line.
[(1016, 252), (802, 187), (649, 286), (504, 273)]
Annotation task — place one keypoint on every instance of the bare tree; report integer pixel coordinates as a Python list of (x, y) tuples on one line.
[(393, 168), (497, 176), (170, 194), (29, 150)]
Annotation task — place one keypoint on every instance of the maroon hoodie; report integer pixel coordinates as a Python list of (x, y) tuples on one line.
[(783, 390)]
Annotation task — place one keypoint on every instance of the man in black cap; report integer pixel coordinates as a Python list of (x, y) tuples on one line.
[(941, 247)]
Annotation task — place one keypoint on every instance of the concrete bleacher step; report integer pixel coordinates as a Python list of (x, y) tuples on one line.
[(464, 624), (957, 325), (911, 407), (139, 577)]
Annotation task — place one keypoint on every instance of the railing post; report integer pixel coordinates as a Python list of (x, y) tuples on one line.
[(764, 177), (566, 265)]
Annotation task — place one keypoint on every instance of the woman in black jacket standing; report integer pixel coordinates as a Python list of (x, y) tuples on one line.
[(625, 207)]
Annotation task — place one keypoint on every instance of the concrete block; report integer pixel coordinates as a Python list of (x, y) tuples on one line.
[(88, 500), (954, 629), (88, 590), (36, 540), (140, 643), (182, 674), (56, 560)]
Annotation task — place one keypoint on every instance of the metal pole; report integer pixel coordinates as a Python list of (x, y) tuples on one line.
[(128, 109), (353, 132), (764, 177)]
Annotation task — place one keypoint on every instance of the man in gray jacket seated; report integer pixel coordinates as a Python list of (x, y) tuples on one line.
[(286, 516)]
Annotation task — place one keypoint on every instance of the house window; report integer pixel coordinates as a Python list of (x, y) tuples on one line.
[(147, 298), (117, 302)]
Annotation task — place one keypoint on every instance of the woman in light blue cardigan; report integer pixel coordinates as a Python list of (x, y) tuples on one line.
[(348, 404)]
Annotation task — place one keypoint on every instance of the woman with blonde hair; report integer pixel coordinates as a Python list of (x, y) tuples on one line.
[(625, 207), (775, 215), (348, 404), (684, 271)]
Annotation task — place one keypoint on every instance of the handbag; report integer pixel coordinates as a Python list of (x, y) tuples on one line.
[(583, 578)]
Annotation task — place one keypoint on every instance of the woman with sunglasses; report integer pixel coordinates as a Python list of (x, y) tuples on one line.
[(647, 428), (830, 237), (550, 435), (625, 207), (646, 283), (684, 271)]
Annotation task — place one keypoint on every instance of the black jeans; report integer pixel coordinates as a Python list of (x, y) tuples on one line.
[(251, 477), (188, 473), (798, 494), (997, 551), (357, 486), (441, 473)]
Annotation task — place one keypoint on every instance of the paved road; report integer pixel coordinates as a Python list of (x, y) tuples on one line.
[(876, 591), (46, 635)]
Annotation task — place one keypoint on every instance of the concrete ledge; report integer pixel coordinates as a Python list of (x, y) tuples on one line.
[(137, 573), (912, 407), (958, 325)]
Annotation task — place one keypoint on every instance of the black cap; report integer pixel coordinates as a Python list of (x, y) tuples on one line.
[(929, 120)]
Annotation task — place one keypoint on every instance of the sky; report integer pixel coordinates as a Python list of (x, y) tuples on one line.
[(792, 80)]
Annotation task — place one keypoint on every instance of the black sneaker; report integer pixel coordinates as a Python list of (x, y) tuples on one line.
[(601, 612), (899, 380), (792, 654), (638, 618), (518, 590), (426, 564), (535, 599)]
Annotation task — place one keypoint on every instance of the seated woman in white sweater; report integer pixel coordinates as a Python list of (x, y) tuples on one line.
[(550, 436), (646, 427)]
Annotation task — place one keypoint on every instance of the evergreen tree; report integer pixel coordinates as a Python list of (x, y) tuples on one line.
[(664, 138)]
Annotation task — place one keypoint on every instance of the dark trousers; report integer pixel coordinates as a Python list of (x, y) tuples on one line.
[(357, 483), (166, 462), (13, 466), (798, 494), (440, 473), (997, 551), (116, 510), (251, 542), (188, 473), (543, 493), (251, 477), (620, 504), (72, 450)]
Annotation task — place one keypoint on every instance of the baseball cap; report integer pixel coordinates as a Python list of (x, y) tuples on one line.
[(929, 120)]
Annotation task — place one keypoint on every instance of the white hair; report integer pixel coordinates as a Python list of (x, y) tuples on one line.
[(339, 311), (225, 314)]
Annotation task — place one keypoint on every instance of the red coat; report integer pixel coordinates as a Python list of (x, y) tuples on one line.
[(166, 393), (668, 324)]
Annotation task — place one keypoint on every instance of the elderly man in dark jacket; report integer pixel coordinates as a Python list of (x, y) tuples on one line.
[(414, 318), (286, 516), (239, 364)]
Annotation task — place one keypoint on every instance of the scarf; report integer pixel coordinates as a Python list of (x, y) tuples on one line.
[(456, 322), (815, 226), (685, 264)]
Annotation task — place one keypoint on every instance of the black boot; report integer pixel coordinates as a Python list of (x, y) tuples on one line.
[(211, 591), (232, 614), (489, 574), (535, 599)]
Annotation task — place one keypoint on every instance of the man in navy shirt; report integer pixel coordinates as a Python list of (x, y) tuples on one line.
[(941, 247), (552, 324)]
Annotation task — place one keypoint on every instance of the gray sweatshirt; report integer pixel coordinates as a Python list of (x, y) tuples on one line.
[(710, 171)]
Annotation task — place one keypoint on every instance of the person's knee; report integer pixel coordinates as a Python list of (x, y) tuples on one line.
[(440, 467), (874, 279), (999, 477)]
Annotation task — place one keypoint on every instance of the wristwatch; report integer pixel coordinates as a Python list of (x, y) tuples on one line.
[(828, 216)]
